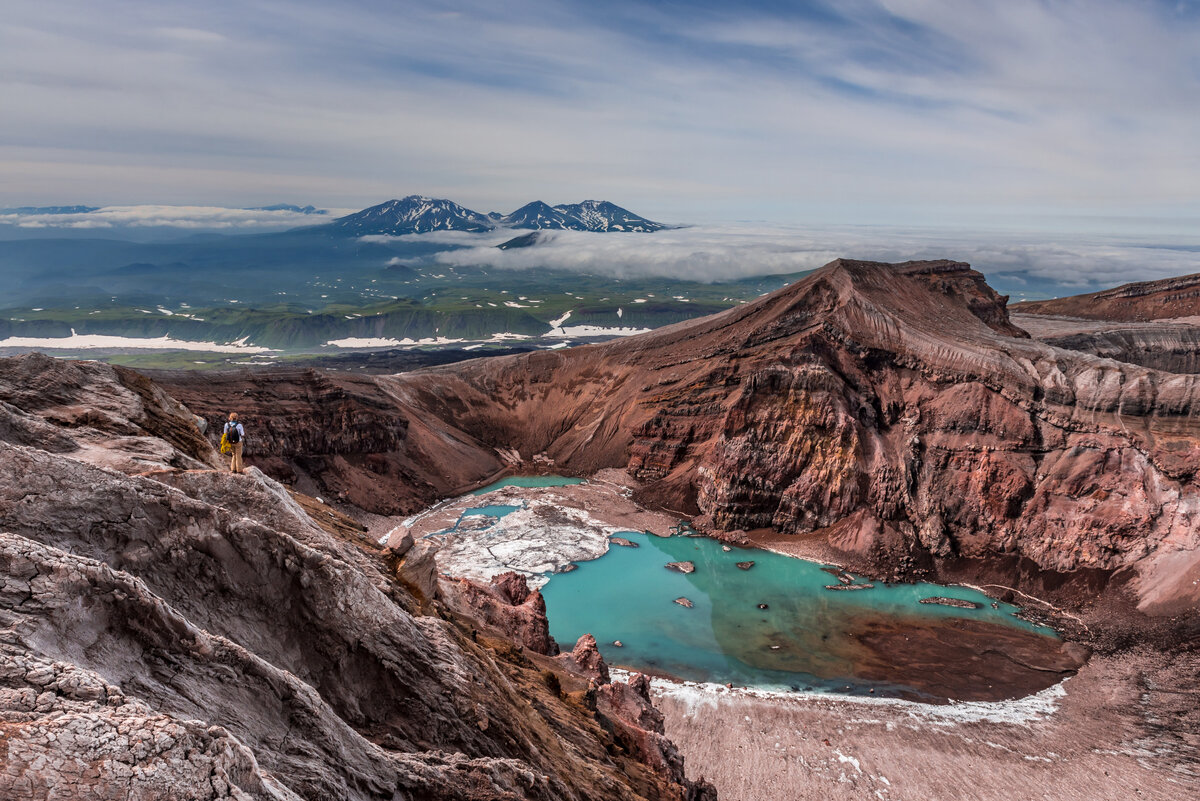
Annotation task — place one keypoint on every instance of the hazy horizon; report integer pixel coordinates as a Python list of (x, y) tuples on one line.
[(901, 113)]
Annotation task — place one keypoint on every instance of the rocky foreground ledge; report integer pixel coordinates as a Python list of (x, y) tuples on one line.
[(168, 630)]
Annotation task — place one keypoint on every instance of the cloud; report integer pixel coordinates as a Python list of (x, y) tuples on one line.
[(1016, 262), (867, 111), (190, 217), (192, 35)]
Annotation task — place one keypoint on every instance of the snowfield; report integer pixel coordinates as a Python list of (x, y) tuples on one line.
[(103, 341)]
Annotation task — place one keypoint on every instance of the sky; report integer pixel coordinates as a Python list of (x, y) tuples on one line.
[(865, 112)]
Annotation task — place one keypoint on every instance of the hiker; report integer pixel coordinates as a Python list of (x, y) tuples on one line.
[(235, 435)]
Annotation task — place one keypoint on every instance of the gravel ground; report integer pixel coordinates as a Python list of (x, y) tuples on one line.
[(1127, 727)]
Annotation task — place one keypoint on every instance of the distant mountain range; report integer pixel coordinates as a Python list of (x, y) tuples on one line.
[(416, 214), (290, 207), (25, 210), (49, 210), (419, 215)]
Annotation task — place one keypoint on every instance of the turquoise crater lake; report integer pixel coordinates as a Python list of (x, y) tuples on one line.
[(880, 640), (529, 482)]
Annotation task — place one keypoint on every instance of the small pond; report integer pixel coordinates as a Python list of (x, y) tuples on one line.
[(529, 481)]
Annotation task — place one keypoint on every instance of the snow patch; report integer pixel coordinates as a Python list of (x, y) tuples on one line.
[(851, 760), (594, 331), (105, 342), (539, 538), (697, 696), (385, 342)]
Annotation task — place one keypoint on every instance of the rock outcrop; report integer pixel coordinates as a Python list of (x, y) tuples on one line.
[(108, 415), (585, 660), (630, 703), (509, 606), (186, 633)]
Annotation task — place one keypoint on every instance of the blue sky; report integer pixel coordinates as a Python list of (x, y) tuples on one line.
[(892, 112)]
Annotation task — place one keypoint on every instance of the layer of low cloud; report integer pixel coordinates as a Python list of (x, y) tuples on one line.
[(1018, 262), (214, 218)]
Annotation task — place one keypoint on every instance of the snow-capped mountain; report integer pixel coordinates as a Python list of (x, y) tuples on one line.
[(600, 215), (537, 215), (590, 215), (418, 215), (411, 215)]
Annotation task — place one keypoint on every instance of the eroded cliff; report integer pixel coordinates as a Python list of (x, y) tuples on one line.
[(894, 412)]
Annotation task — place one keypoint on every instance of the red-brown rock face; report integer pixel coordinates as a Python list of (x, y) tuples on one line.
[(336, 435), (1145, 300), (893, 408), (586, 660), (509, 606)]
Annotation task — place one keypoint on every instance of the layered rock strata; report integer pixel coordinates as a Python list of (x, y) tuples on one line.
[(1137, 302), (1170, 345), (893, 412), (337, 435), (1152, 323)]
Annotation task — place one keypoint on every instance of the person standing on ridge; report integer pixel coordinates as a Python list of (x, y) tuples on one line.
[(235, 435)]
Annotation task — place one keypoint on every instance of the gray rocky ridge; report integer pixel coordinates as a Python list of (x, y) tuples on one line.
[(172, 631)]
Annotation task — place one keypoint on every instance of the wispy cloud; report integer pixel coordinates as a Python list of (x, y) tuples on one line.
[(892, 111)]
